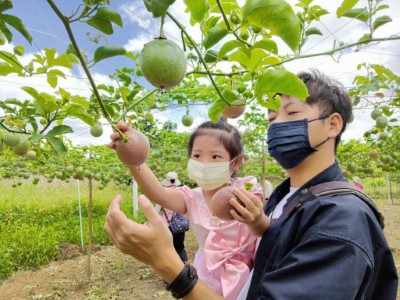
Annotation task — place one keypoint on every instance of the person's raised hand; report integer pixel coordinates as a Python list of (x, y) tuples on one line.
[(150, 243), (250, 211), (115, 136)]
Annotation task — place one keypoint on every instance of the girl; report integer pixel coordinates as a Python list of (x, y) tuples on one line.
[(226, 248)]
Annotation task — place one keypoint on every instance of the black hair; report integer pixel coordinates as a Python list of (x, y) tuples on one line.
[(329, 95)]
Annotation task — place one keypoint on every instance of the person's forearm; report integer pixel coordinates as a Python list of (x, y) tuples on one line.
[(154, 190), (171, 269), (201, 291)]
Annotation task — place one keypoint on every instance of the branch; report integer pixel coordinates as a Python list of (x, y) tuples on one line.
[(228, 26), (135, 103), (65, 21), (200, 56), (331, 52)]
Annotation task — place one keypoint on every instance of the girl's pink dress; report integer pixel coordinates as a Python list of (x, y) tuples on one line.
[(226, 248)]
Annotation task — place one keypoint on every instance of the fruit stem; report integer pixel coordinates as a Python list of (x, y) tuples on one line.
[(199, 54), (162, 35), (135, 103), (65, 21)]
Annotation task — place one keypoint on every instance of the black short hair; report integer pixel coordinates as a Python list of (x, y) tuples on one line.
[(329, 95)]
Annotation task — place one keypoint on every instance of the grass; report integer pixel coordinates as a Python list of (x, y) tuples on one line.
[(36, 219)]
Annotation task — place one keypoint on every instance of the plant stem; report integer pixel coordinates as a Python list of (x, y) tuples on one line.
[(135, 103), (228, 26), (71, 36), (200, 56)]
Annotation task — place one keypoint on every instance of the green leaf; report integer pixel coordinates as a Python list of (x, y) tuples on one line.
[(36, 137), (5, 33), (59, 130), (229, 95), (257, 55), (6, 69), (158, 7), (104, 52), (268, 45), (5, 5), (52, 78), (229, 46), (57, 144), (346, 5), (45, 103), (88, 119), (275, 15), (12, 60), (279, 81), (16, 22), (198, 8), (241, 57), (101, 24), (82, 101), (380, 7), (381, 21), (361, 14), (110, 15), (313, 30), (214, 35), (216, 110)]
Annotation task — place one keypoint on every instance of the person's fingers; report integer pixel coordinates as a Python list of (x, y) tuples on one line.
[(149, 211)]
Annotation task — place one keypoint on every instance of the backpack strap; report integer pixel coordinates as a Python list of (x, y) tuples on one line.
[(327, 189)]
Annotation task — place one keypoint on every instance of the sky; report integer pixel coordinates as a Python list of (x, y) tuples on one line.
[(139, 28)]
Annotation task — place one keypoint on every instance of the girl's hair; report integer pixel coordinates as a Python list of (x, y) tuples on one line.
[(227, 134)]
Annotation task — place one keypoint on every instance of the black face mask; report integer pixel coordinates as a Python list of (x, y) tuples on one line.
[(289, 144)]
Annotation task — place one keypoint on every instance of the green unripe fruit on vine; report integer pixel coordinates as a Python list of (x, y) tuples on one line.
[(31, 155), (383, 136), (96, 130), (256, 29), (375, 114), (35, 180), (97, 176), (88, 174), (19, 183), (43, 121), (352, 167), (79, 171), (22, 148), (163, 63), (241, 88), (59, 175), (5, 163), (244, 35), (187, 120), (69, 169), (235, 18), (157, 153), (11, 139), (382, 122)]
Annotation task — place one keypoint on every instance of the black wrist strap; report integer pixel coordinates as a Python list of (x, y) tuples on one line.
[(184, 282)]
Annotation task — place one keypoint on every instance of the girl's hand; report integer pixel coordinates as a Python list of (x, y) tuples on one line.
[(115, 136), (251, 212)]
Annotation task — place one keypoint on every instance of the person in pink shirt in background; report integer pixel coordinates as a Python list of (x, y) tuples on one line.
[(226, 248), (357, 182)]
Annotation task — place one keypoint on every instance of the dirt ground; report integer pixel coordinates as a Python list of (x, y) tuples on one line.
[(118, 276)]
